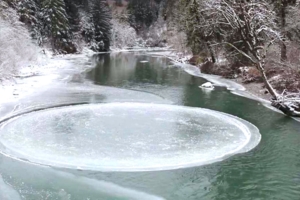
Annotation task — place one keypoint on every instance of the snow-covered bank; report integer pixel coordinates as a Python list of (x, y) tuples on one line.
[(16, 46), (64, 68), (182, 61), (234, 86), (40, 74)]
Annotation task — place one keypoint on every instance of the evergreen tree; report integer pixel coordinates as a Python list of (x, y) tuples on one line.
[(72, 12), (56, 26), (100, 19), (11, 3), (142, 13), (62, 23), (118, 2), (27, 10), (191, 21), (29, 15), (199, 37)]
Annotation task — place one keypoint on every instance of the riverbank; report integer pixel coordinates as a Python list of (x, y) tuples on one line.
[(26, 79), (255, 89), (285, 81), (282, 78), (37, 76), (40, 74)]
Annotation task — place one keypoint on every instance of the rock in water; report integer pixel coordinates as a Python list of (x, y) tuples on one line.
[(207, 85), (144, 61)]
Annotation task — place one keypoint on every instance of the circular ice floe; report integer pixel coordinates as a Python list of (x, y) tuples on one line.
[(126, 137)]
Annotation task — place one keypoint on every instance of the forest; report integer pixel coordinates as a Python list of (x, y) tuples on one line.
[(254, 40)]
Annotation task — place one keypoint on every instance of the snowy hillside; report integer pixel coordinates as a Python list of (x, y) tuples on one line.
[(16, 46)]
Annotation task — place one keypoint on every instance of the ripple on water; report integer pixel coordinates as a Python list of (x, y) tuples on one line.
[(126, 137)]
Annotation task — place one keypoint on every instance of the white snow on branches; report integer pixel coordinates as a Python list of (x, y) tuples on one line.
[(16, 47), (122, 35)]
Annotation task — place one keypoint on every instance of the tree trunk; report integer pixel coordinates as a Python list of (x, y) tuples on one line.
[(266, 82), (211, 51), (283, 24), (283, 52), (286, 109), (212, 54)]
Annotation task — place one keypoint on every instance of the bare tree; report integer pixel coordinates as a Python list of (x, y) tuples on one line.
[(281, 8), (249, 28), (292, 22)]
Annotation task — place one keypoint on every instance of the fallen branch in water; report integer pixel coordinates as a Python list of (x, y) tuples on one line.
[(288, 103)]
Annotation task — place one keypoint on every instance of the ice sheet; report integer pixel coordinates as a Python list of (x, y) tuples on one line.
[(7, 192), (217, 80), (126, 137)]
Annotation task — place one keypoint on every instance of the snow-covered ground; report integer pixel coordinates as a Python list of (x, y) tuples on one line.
[(39, 74), (47, 69)]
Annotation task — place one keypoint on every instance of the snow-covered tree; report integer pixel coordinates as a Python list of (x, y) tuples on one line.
[(249, 28), (16, 47), (56, 26), (11, 3), (142, 13), (66, 25), (29, 11), (100, 18), (199, 36), (281, 9), (72, 11), (122, 35)]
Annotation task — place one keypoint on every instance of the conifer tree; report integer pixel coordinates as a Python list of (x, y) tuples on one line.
[(72, 11), (27, 10), (142, 13), (56, 25), (29, 15), (100, 18), (118, 2)]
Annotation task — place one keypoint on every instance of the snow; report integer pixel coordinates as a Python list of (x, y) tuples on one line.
[(39, 74), (16, 47), (15, 89), (207, 85), (217, 80), (122, 35)]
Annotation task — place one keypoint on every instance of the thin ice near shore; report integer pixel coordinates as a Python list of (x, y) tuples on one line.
[(233, 86)]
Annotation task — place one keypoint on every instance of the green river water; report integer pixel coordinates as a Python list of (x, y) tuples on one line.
[(271, 171)]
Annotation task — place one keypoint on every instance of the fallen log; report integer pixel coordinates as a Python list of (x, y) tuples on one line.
[(288, 109)]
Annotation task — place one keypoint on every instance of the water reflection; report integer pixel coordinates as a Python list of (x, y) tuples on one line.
[(271, 171)]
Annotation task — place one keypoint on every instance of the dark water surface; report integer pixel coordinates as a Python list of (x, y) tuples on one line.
[(270, 171)]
